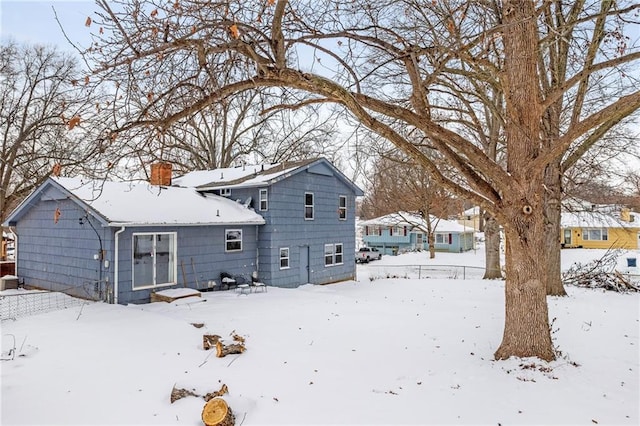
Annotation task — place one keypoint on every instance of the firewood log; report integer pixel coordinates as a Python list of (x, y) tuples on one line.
[(216, 412)]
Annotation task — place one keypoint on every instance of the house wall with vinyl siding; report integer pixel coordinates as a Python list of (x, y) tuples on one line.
[(57, 252), (390, 242), (286, 227), (58, 255), (200, 257), (622, 238)]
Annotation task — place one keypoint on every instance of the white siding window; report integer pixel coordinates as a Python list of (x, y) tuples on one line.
[(328, 254), (284, 258), (264, 200), (442, 238), (233, 239), (342, 207), (600, 234), (308, 206), (338, 254), (154, 260), (225, 192), (333, 254)]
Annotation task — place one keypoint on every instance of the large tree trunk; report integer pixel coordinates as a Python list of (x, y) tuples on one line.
[(526, 330), (492, 269), (552, 210)]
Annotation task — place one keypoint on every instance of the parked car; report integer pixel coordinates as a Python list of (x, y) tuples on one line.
[(366, 254)]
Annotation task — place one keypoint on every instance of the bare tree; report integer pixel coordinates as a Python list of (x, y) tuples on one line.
[(383, 64), (399, 184), (44, 108), (247, 127)]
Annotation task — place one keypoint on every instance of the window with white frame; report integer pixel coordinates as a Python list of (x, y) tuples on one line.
[(333, 254), (342, 207), (154, 260), (337, 252), (442, 238), (328, 254), (225, 192), (233, 239), (264, 200), (597, 234), (284, 258), (308, 206)]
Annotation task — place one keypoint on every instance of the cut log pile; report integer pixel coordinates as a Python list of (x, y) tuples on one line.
[(209, 341), (600, 273), (213, 340), (216, 411), (179, 393)]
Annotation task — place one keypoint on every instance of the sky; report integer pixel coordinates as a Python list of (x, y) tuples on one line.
[(35, 21), (376, 351)]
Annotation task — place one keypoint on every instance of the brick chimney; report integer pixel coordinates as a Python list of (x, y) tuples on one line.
[(160, 174)]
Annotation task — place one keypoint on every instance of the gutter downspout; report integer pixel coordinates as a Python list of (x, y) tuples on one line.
[(15, 250), (257, 251), (116, 265)]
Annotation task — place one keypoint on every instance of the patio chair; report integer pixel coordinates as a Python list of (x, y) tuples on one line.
[(241, 285), (256, 284), (228, 280)]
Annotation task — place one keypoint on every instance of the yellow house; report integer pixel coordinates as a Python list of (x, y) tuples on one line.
[(470, 218), (600, 229)]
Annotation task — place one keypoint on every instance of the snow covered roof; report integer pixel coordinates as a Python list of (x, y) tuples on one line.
[(258, 175), (414, 219), (235, 177), (140, 203), (473, 211), (594, 219)]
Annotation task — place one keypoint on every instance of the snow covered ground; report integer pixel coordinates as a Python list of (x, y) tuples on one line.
[(382, 351)]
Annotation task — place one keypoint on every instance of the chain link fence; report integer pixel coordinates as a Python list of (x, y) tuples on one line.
[(423, 271), (22, 302)]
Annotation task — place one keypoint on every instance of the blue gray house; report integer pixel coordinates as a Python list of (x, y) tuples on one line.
[(403, 231), (291, 223)]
